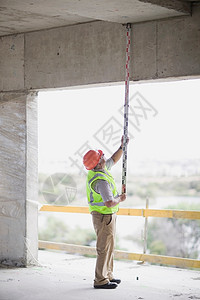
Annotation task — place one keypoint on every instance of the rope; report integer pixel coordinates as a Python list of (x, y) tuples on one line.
[(126, 106)]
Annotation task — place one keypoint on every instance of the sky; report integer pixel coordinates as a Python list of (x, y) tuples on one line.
[(163, 122)]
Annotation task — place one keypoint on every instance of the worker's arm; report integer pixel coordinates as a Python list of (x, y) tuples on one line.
[(102, 187), (115, 201), (117, 155)]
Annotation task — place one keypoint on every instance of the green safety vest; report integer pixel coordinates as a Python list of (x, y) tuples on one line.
[(95, 200)]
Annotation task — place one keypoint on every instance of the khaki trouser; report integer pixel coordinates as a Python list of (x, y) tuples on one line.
[(105, 228)]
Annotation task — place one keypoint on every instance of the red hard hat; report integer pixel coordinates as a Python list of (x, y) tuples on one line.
[(92, 158)]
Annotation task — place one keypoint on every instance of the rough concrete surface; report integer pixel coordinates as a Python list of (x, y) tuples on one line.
[(12, 63), (75, 55), (27, 15), (18, 177), (94, 53), (12, 177), (62, 276)]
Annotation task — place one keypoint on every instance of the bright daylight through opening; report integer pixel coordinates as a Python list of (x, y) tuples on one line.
[(163, 160)]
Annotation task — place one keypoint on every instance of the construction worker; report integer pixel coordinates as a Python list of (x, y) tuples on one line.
[(103, 202)]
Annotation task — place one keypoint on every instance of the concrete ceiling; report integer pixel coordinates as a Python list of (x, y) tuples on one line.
[(18, 16)]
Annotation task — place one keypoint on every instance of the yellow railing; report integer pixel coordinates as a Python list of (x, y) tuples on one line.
[(161, 213), (157, 259)]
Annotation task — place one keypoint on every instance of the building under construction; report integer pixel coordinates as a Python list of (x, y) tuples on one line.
[(61, 44)]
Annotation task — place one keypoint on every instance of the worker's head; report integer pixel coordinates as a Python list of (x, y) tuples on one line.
[(93, 158)]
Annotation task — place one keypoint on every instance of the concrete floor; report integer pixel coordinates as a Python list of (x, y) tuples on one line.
[(62, 276)]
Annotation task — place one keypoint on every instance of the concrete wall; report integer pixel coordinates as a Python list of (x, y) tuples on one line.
[(95, 53), (167, 49), (18, 178)]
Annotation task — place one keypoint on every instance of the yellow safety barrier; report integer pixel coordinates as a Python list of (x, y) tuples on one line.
[(160, 213), (151, 258), (157, 259)]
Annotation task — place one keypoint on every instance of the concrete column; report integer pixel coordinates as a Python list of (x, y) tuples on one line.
[(18, 179)]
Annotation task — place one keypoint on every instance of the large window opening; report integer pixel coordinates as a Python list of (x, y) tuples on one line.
[(163, 158)]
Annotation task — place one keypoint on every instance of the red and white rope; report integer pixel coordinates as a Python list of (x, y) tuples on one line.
[(126, 107)]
